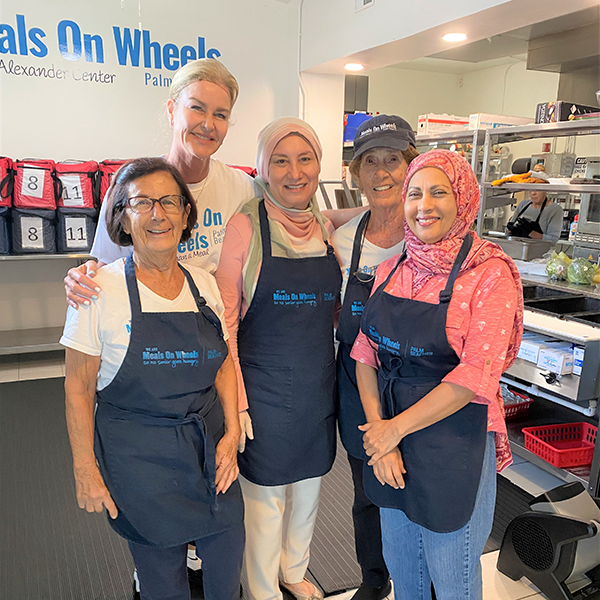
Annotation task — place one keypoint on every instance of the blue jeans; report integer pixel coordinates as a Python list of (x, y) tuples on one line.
[(416, 556)]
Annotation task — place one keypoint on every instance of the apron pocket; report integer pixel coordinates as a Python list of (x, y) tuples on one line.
[(140, 456), (269, 391), (446, 444)]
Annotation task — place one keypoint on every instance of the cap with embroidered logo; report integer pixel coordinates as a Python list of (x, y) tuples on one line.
[(383, 131)]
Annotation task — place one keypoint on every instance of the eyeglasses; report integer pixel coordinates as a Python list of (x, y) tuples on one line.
[(364, 277), (142, 204)]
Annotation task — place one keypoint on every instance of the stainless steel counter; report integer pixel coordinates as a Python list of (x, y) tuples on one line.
[(587, 290)]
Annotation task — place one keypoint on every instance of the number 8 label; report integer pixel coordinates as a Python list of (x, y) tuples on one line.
[(33, 182), (32, 232)]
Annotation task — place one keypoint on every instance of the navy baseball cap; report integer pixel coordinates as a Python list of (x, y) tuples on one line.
[(383, 131)]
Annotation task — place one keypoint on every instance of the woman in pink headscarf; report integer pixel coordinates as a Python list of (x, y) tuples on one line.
[(280, 283), (443, 323)]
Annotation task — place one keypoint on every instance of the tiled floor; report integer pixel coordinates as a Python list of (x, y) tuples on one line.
[(41, 365), (496, 586)]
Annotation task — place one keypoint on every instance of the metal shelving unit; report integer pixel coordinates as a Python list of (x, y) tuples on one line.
[(505, 135), (9, 257), (476, 137)]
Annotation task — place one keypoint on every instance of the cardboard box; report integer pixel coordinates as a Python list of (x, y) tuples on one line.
[(578, 354), (553, 112), (434, 123), (487, 121), (556, 358), (531, 345)]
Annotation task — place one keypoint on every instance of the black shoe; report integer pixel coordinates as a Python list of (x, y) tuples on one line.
[(364, 592)]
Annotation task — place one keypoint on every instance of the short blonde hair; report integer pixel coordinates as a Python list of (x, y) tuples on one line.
[(204, 69)]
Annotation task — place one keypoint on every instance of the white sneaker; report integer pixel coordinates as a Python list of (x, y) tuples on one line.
[(136, 581), (193, 562)]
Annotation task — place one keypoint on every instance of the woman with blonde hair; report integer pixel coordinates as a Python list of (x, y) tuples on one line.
[(201, 99)]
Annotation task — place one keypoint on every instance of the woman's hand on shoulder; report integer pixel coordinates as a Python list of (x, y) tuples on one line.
[(79, 286), (92, 493), (380, 438), (226, 460), (247, 431), (390, 469)]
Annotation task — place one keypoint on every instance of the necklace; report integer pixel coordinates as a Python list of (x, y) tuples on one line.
[(199, 193)]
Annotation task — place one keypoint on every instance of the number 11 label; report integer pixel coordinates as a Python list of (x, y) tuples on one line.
[(76, 232), (71, 195)]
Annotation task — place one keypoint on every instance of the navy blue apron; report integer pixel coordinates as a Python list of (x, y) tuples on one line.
[(443, 461), (358, 290), (287, 357), (157, 425)]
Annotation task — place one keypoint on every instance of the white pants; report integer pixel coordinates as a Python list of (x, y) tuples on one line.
[(279, 526)]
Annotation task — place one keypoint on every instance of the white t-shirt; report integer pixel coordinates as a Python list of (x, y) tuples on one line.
[(218, 197), (371, 256), (103, 328)]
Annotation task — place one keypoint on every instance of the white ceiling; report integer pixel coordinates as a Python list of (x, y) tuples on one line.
[(503, 49)]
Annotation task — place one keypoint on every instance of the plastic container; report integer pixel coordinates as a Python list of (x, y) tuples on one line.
[(516, 404), (564, 445), (573, 228)]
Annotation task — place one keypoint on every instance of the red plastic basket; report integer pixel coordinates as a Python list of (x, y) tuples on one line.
[(517, 409), (564, 445)]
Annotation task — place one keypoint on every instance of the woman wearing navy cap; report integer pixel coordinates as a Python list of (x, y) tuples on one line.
[(384, 146)]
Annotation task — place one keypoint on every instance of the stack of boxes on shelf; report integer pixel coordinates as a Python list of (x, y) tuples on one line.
[(48, 207), (556, 356)]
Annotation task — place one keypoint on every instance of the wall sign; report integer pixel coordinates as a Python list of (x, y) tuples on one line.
[(132, 48)]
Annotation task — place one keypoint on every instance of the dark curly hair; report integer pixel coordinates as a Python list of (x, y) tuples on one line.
[(118, 195)]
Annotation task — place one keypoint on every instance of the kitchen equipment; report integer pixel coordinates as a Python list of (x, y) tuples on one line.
[(522, 248), (556, 545), (587, 238), (556, 164)]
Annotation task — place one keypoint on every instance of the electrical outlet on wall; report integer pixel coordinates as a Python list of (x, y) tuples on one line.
[(362, 4)]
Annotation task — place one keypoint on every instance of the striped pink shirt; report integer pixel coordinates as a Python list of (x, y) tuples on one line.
[(478, 327)]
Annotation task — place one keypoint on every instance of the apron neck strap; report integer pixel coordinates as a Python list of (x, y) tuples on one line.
[(265, 232), (132, 287), (541, 210), (359, 241), (134, 292), (446, 293), (200, 301)]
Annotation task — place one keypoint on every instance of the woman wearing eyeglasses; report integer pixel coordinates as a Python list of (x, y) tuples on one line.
[(383, 148), (151, 395)]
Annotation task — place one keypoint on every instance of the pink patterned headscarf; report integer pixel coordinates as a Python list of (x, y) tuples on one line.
[(427, 260)]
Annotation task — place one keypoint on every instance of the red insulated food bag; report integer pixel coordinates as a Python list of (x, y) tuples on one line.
[(106, 170), (7, 181), (76, 182), (35, 186)]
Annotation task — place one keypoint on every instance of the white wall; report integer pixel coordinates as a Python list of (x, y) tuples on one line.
[(410, 93), (324, 110), (75, 119), (59, 119), (507, 89)]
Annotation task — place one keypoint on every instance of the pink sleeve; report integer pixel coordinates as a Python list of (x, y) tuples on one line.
[(229, 276), (487, 333), (364, 350)]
